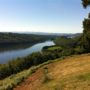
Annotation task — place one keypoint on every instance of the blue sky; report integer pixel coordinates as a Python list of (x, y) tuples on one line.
[(57, 16)]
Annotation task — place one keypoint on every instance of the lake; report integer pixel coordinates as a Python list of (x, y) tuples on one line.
[(13, 53)]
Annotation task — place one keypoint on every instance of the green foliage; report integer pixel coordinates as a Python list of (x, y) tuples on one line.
[(15, 79), (79, 50), (84, 77), (65, 48), (15, 66), (85, 39), (67, 52), (55, 48), (85, 3), (15, 38), (52, 48), (65, 42)]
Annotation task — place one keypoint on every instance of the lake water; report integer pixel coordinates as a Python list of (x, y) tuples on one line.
[(11, 54)]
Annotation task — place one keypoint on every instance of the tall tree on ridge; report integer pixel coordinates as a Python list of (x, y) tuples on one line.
[(85, 3), (85, 39)]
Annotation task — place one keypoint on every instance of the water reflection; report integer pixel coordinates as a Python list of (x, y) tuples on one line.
[(10, 47), (9, 53)]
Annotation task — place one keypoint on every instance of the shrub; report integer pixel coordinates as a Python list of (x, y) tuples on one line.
[(67, 52)]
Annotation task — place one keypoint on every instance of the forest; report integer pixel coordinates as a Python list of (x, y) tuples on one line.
[(17, 38)]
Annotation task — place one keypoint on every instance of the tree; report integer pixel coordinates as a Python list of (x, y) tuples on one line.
[(85, 39), (85, 3)]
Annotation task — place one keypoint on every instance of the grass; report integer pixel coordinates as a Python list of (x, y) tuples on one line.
[(12, 81), (77, 82), (54, 48), (72, 73), (46, 77)]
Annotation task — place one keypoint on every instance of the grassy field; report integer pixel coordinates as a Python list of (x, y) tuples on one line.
[(72, 73), (54, 48), (11, 82)]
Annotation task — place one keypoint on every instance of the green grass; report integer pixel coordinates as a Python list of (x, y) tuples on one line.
[(83, 77), (54, 48), (14, 80)]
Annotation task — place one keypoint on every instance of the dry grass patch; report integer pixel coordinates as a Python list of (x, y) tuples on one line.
[(72, 73)]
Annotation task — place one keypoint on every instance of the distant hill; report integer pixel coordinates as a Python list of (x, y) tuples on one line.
[(31, 37), (56, 34), (16, 38)]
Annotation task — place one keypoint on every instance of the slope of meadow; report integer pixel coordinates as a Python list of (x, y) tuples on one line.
[(72, 73)]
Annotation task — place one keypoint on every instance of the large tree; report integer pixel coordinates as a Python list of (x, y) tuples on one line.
[(85, 40), (85, 3)]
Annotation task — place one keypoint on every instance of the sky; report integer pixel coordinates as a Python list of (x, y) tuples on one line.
[(53, 16)]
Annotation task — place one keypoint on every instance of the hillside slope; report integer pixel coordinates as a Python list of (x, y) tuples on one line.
[(72, 73), (17, 38)]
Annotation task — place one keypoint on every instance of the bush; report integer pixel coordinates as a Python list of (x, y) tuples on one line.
[(65, 42), (15, 66), (79, 50), (67, 52), (34, 59)]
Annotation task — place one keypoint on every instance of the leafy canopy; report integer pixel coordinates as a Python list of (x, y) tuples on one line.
[(85, 3)]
